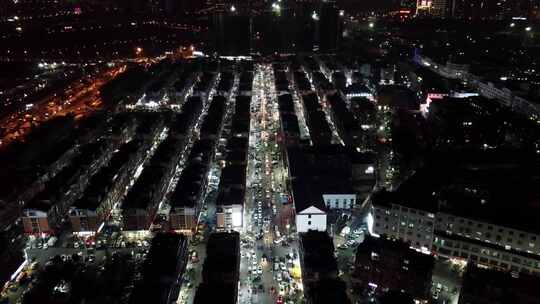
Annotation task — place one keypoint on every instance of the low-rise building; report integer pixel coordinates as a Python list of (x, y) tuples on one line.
[(105, 188), (45, 212), (186, 200), (382, 265), (231, 195), (484, 286), (162, 270), (319, 269), (220, 272)]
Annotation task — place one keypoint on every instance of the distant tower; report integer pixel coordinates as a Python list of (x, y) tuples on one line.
[(330, 26)]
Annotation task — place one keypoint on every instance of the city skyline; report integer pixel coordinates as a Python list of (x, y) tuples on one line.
[(287, 152)]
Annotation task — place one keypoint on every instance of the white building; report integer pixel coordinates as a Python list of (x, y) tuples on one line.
[(311, 218), (339, 201), (230, 216), (310, 210)]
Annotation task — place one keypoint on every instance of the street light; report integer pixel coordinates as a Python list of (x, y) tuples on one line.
[(371, 25), (233, 9), (512, 24), (315, 16), (528, 29)]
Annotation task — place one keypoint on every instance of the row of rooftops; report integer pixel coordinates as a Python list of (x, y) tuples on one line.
[(183, 77), (311, 63), (232, 184), (20, 162), (280, 81), (149, 123), (214, 118), (319, 130), (24, 162), (321, 82), (241, 118), (192, 181), (347, 124), (246, 81), (154, 175), (56, 187), (101, 183), (162, 270), (225, 82), (183, 123), (289, 121), (339, 79), (204, 82), (301, 81)]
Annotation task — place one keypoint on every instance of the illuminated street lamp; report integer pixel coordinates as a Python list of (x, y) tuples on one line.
[(371, 25), (276, 7), (528, 29), (138, 50), (315, 16), (341, 13), (512, 24), (233, 9)]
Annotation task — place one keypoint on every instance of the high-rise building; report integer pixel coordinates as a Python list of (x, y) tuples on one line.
[(231, 31), (330, 27), (434, 8)]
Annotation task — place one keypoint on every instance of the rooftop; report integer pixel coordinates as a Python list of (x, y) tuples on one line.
[(489, 286)]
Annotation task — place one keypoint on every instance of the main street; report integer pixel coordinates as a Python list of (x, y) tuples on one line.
[(270, 267)]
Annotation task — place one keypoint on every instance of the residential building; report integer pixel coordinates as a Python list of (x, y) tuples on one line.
[(383, 265), (186, 200), (162, 270), (220, 272), (484, 286), (319, 269)]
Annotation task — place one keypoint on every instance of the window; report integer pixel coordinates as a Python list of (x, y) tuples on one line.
[(309, 216), (309, 223)]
